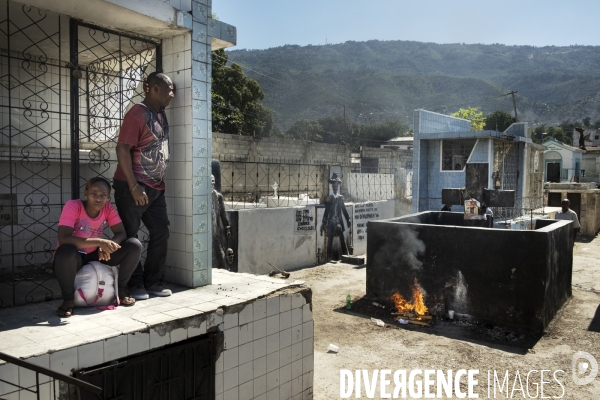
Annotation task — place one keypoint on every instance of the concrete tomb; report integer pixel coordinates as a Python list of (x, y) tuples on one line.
[(505, 277)]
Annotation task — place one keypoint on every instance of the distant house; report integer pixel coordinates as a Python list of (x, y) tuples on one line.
[(400, 143), (562, 163), (444, 145)]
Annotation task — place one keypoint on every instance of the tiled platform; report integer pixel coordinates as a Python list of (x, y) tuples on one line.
[(32, 330), (265, 324)]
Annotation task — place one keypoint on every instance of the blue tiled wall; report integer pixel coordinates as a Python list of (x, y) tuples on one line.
[(437, 179), (480, 153), (518, 129), (430, 122)]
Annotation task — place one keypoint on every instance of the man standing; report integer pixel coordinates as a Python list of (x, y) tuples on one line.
[(143, 155), (569, 215), (332, 218)]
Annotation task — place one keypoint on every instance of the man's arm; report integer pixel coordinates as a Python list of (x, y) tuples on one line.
[(125, 163), (577, 225), (223, 215)]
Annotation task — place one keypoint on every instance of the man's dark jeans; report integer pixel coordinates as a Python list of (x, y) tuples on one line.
[(154, 216)]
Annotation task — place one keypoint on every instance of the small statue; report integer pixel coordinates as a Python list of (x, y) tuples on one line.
[(582, 138), (229, 256), (275, 187), (332, 218), (220, 228)]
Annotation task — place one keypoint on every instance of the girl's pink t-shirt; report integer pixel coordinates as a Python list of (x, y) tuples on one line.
[(74, 216)]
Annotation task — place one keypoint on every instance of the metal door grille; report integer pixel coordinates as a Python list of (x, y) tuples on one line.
[(506, 160), (180, 372), (34, 153), (56, 131)]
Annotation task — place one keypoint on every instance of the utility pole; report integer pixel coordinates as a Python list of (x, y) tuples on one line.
[(345, 125), (514, 104)]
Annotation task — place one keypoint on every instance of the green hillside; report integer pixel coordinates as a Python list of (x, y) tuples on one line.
[(376, 80)]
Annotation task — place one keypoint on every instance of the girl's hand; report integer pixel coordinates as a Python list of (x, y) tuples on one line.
[(103, 256), (108, 246)]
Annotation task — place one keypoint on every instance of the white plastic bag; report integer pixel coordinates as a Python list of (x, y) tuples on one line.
[(96, 285)]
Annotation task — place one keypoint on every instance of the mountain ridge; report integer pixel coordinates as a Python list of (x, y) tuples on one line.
[(377, 80)]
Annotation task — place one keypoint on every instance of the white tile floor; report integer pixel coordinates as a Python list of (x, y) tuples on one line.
[(268, 342), (34, 330)]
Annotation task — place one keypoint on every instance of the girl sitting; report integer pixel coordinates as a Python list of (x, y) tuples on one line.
[(80, 241)]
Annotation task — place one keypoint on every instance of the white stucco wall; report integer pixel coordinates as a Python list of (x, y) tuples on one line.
[(271, 235), (268, 235), (369, 211)]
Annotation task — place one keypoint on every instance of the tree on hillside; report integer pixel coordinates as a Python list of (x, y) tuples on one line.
[(305, 129), (587, 122), (543, 132), (384, 131), (236, 106), (557, 133), (498, 120), (472, 114)]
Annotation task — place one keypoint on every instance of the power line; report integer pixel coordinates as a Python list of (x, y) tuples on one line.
[(249, 69)]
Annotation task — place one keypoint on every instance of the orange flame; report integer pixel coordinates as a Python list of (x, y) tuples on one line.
[(417, 305)]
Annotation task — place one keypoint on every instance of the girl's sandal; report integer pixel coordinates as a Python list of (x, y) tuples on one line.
[(127, 301)]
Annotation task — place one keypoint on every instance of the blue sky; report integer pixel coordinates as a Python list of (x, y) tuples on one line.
[(262, 24)]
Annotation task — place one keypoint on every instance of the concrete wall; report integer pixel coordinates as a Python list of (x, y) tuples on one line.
[(246, 148), (365, 212), (271, 234), (389, 158), (513, 278)]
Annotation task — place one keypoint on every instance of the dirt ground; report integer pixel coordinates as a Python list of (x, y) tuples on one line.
[(453, 345)]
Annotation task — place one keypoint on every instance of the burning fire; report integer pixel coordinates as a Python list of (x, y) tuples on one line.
[(417, 305)]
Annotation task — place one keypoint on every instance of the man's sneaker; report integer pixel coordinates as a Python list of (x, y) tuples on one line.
[(158, 290), (139, 293)]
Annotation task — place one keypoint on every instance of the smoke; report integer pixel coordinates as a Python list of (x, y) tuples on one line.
[(460, 294), (410, 247)]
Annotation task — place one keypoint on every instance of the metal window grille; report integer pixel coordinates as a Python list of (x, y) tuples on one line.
[(56, 131), (455, 154), (184, 371), (35, 382)]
